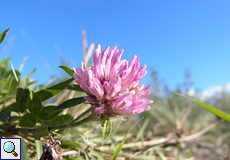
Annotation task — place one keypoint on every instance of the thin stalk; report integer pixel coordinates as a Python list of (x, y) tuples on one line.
[(65, 126)]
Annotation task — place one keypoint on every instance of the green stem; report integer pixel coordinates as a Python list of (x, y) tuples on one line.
[(65, 126)]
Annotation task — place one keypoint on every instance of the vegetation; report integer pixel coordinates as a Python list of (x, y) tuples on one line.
[(175, 128)]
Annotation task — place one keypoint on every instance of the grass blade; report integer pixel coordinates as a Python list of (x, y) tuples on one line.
[(142, 130), (15, 75), (24, 150), (123, 141), (217, 112), (22, 64), (38, 144)]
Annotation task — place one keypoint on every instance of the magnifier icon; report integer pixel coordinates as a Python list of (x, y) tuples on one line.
[(9, 147)]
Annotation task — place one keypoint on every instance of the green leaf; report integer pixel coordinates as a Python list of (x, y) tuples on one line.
[(9, 75), (86, 156), (34, 104), (8, 91), (15, 75), (10, 72), (21, 99), (24, 83), (31, 73), (32, 84), (52, 91), (75, 87), (4, 114), (123, 141), (3, 71), (28, 120), (4, 63), (47, 113), (22, 64), (62, 119), (106, 128), (142, 130), (217, 112), (67, 70), (68, 144), (3, 34), (38, 145), (70, 103), (15, 107)]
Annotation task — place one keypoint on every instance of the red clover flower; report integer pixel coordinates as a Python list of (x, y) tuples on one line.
[(113, 85)]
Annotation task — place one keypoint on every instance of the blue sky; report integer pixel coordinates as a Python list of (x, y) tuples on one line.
[(170, 36)]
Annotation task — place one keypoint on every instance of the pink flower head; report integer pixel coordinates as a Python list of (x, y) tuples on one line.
[(113, 85)]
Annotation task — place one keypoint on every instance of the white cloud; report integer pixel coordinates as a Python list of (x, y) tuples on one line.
[(192, 92), (227, 87), (211, 92), (207, 93)]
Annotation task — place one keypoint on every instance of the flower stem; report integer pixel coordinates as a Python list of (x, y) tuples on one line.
[(65, 126)]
